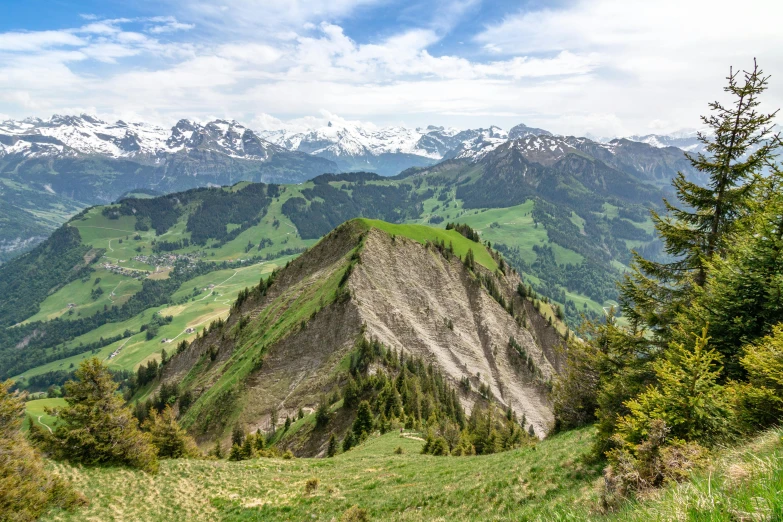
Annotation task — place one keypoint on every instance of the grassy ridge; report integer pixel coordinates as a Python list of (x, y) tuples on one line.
[(422, 234), (549, 482)]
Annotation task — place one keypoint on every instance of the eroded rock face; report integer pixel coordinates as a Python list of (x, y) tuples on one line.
[(408, 295)]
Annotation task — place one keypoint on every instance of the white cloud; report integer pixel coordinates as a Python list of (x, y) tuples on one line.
[(34, 41), (596, 66)]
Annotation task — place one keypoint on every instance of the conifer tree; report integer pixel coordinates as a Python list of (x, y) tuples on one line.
[(236, 453), (699, 230), (349, 441), (237, 435), (743, 298), (168, 437), (687, 396), (260, 440), (27, 490), (322, 415), (332, 449), (96, 427), (248, 447), (363, 425)]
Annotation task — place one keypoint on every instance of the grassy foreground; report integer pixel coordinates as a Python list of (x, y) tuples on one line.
[(547, 482)]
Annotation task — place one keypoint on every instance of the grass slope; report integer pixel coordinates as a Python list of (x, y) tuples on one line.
[(422, 234), (36, 411), (547, 482)]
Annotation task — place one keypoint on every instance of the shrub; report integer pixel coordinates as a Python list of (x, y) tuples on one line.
[(653, 462), (398, 450), (311, 486), (288, 455), (355, 514)]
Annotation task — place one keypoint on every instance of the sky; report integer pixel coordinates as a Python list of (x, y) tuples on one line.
[(583, 67)]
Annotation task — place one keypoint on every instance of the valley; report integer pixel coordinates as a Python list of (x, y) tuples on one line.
[(537, 238)]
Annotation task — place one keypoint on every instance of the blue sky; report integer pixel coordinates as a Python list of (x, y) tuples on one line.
[(603, 67)]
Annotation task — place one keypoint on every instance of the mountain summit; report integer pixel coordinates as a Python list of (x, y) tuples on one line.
[(413, 289)]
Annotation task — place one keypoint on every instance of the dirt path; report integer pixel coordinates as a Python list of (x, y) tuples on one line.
[(127, 232), (44, 425), (115, 289)]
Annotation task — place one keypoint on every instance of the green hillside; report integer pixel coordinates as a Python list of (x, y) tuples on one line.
[(422, 234), (550, 481), (187, 255)]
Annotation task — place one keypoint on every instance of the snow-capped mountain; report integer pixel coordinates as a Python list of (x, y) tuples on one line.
[(685, 140), (477, 143), (388, 150), (70, 136)]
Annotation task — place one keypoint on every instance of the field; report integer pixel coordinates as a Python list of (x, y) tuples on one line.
[(550, 481), (36, 410)]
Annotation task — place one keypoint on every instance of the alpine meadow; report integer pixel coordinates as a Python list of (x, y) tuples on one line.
[(370, 301)]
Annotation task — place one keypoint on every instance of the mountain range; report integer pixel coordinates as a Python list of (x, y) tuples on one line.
[(50, 169)]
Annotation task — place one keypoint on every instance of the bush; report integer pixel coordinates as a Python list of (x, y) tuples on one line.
[(288, 455), (653, 462), (355, 514), (27, 490), (311, 486), (398, 450)]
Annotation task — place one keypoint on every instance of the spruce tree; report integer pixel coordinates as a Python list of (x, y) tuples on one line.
[(236, 453), (97, 427), (27, 489), (168, 437), (743, 298), (332, 449), (363, 425), (260, 440), (237, 435), (248, 447), (687, 397), (740, 146)]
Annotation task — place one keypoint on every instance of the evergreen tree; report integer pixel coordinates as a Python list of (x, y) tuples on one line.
[(217, 452), (236, 453), (687, 397), (260, 440), (743, 298), (470, 260), (654, 292), (762, 401), (248, 447), (96, 427), (322, 415), (349, 441), (27, 489), (363, 425), (168, 437), (332, 449), (237, 435)]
